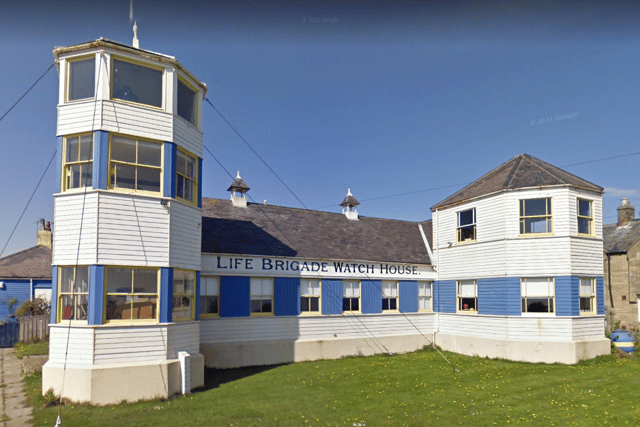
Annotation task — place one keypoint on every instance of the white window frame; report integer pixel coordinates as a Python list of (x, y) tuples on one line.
[(588, 218), (390, 295), (590, 296), (209, 293), (351, 291), (261, 289), (310, 291), (468, 298), (528, 286), (461, 228), (524, 217), (425, 296)]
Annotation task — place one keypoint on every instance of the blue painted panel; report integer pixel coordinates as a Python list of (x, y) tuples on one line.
[(54, 294), (197, 303), (96, 295), (18, 289), (408, 294), (234, 296), (371, 296), (567, 296), (169, 181), (100, 160), (41, 284), (447, 296), (166, 295), (514, 300), (199, 182), (331, 296), (286, 296), (58, 174), (600, 294)]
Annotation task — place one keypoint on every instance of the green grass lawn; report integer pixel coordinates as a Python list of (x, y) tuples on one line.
[(32, 348), (417, 389)]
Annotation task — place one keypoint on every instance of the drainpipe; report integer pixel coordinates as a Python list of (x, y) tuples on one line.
[(609, 278), (31, 289)]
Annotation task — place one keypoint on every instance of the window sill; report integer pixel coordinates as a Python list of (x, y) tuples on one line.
[(467, 312), (260, 314), (538, 315), (466, 242), (310, 314), (210, 316), (534, 235), (137, 104), (129, 321)]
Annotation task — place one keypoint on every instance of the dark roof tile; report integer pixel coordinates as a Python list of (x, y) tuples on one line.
[(32, 263), (618, 239)]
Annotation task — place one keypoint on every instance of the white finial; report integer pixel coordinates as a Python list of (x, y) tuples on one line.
[(136, 42), (349, 192), (238, 176)]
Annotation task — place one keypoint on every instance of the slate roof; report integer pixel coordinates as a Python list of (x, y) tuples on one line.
[(619, 239), (289, 232), (522, 171), (32, 263)]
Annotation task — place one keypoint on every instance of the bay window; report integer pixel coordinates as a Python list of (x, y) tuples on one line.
[(73, 293), (131, 293), (538, 295), (78, 161), (135, 164)]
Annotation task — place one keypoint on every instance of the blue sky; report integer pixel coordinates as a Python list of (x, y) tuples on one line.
[(383, 98)]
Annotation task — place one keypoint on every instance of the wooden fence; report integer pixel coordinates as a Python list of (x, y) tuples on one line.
[(34, 327)]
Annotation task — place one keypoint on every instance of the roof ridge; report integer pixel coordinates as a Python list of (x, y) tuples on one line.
[(20, 252), (550, 166), (513, 172)]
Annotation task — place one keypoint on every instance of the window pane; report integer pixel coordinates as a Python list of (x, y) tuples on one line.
[(145, 281), (117, 306), (191, 167), (256, 305), (143, 308), (538, 305), (181, 163), (467, 303), (584, 226), (535, 207), (82, 279), (123, 149), (537, 225), (86, 148), (72, 149), (537, 287), (119, 280), (124, 177), (209, 305), (67, 307), (149, 153), (81, 79), (584, 208), (148, 179), (256, 287), (315, 304), (465, 217), (467, 289), (82, 304), (586, 287), (585, 304), (136, 83), (66, 279), (186, 102)]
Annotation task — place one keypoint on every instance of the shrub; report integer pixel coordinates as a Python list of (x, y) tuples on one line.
[(33, 308)]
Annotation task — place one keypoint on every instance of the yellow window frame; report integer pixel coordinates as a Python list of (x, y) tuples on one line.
[(584, 217), (430, 286), (196, 106), (395, 284), (262, 297), (65, 165), (209, 315), (112, 168), (61, 295), (68, 77), (359, 297), (524, 217), (192, 308), (311, 312), (459, 298), (194, 180), (593, 297), (140, 64), (131, 294)]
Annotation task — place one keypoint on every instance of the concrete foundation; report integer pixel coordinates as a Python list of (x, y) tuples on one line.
[(234, 355), (108, 384), (525, 351)]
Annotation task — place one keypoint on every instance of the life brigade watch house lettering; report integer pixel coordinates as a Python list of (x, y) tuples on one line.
[(152, 282)]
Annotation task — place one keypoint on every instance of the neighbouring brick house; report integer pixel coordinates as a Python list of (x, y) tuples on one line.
[(622, 267)]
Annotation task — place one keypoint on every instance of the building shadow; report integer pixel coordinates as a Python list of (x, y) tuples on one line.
[(214, 378)]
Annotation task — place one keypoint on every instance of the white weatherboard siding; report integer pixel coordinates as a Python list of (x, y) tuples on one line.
[(133, 230), (75, 342), (187, 136), (252, 329), (186, 236), (95, 345), (75, 228), (523, 328), (500, 250), (80, 116), (137, 120)]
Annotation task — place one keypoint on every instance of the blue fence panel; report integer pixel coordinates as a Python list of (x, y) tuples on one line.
[(9, 334)]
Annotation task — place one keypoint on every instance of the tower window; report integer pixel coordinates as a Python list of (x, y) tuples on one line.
[(187, 102), (78, 161), (81, 79), (135, 164), (131, 293), (186, 177), (135, 83), (467, 225)]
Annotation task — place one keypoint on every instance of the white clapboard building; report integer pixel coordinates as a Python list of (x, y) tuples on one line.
[(152, 282)]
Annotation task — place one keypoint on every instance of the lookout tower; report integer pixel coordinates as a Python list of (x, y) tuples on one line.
[(126, 257)]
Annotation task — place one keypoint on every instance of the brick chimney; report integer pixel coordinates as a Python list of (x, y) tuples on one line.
[(44, 233), (626, 212)]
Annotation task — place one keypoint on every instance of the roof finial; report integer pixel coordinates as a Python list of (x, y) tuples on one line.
[(238, 175), (136, 42)]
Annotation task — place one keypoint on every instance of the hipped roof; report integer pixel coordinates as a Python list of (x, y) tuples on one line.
[(619, 238), (32, 263), (522, 171), (289, 232)]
